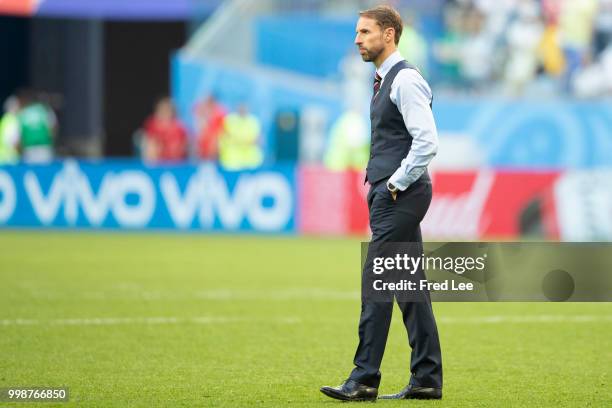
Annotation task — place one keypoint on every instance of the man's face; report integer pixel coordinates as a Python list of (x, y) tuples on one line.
[(369, 39)]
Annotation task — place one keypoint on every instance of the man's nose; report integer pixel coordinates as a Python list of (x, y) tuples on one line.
[(357, 40)]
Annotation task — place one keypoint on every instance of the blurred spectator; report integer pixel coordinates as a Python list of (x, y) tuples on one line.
[(467, 49), (9, 132), (239, 144), (576, 23), (550, 53), (447, 49), (603, 27), (595, 80), (551, 9), (477, 49), (37, 124), (349, 143), (165, 137), (523, 38), (209, 117)]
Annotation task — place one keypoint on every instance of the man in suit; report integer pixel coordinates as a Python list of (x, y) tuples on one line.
[(404, 140)]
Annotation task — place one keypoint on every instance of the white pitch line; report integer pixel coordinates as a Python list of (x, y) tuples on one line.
[(526, 319), (286, 294), (114, 321)]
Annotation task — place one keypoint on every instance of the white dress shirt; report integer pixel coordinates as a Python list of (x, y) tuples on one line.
[(412, 96)]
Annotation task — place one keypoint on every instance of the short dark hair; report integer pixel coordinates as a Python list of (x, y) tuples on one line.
[(386, 17)]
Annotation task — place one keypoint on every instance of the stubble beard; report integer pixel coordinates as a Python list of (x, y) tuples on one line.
[(371, 55)]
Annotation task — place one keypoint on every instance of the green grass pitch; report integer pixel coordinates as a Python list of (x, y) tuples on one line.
[(134, 320)]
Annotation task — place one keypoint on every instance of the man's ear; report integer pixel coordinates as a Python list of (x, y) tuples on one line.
[(389, 34)]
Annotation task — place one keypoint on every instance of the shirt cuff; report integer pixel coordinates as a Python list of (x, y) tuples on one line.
[(403, 180)]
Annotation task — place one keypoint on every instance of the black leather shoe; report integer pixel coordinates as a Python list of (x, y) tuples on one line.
[(351, 390), (414, 392)]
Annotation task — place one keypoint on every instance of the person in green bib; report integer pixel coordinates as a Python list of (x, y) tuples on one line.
[(37, 123)]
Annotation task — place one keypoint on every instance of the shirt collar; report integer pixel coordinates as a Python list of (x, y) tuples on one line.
[(389, 63)]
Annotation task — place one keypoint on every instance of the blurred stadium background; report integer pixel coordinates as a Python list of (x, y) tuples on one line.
[(275, 90), (248, 121)]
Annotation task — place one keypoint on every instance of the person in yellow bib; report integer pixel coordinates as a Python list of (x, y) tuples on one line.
[(9, 132), (349, 143), (239, 144)]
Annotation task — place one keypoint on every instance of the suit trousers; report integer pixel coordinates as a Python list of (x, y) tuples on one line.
[(398, 221)]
